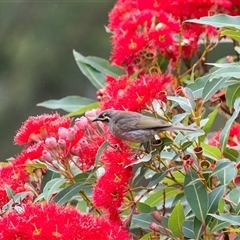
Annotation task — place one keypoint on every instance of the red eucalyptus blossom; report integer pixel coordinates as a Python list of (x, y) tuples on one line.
[(49, 221), (133, 94)]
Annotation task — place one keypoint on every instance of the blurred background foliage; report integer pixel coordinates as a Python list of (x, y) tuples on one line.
[(36, 60)]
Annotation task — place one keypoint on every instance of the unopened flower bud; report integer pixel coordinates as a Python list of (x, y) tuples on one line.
[(47, 156), (51, 142), (81, 123), (70, 134), (62, 143), (63, 132), (154, 227)]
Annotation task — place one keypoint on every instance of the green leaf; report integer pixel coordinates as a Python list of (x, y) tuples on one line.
[(234, 197), (231, 154), (198, 228), (211, 151), (207, 127), (225, 132), (143, 221), (234, 34), (188, 229), (186, 104), (196, 195), (95, 69), (176, 220), (214, 198), (156, 178), (225, 172), (232, 93), (231, 219), (217, 225), (48, 177), (17, 198), (83, 109), (186, 145), (52, 187), (143, 208), (68, 104), (157, 197), (68, 193), (213, 85), (198, 85), (218, 21)]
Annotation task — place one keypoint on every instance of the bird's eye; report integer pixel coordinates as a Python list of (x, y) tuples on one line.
[(105, 118)]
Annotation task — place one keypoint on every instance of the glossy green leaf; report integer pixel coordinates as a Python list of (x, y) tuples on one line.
[(10, 192), (234, 34), (211, 151), (225, 132), (232, 93), (17, 198), (231, 154), (68, 193), (83, 109), (186, 145), (176, 220), (232, 219), (213, 85), (179, 177), (52, 187), (225, 172), (186, 104), (95, 69), (234, 197), (157, 197), (214, 198), (188, 229), (144, 220), (218, 21), (68, 104), (217, 225), (196, 195), (143, 208), (48, 176), (156, 178), (100, 64), (207, 127), (198, 228), (198, 85)]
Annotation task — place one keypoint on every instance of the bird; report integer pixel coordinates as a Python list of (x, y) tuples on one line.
[(135, 127)]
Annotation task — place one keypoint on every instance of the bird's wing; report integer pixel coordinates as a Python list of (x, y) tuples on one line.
[(138, 121), (150, 122)]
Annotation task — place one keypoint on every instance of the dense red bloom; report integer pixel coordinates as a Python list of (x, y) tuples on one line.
[(38, 128), (111, 187), (49, 221), (133, 95), (140, 27), (233, 139), (13, 176)]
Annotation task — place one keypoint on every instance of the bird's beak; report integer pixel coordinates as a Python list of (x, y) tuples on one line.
[(96, 119)]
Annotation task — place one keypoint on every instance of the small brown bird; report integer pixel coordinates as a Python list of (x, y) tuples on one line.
[(135, 127)]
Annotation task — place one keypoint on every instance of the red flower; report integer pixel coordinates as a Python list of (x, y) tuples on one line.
[(38, 128), (233, 139), (133, 95), (49, 221)]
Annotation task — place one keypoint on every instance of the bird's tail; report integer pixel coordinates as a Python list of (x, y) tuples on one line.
[(182, 128)]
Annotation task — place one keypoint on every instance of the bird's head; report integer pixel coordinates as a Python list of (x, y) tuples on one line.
[(105, 116)]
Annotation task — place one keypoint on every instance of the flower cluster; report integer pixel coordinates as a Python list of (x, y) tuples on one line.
[(233, 139), (111, 187), (133, 94), (144, 30), (50, 221)]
